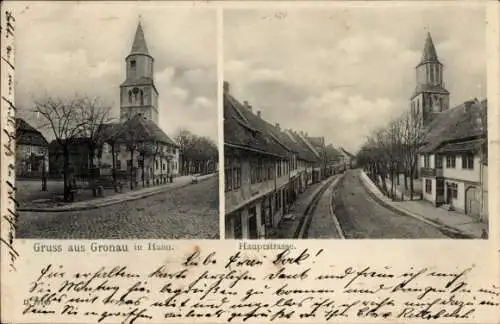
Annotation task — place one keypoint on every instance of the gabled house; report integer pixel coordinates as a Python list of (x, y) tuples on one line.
[(32, 151), (348, 159), (333, 158), (453, 159), (256, 173)]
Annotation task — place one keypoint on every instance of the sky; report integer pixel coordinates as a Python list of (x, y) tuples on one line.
[(67, 48), (341, 72)]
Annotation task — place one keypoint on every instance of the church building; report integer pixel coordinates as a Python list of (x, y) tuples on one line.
[(137, 147)]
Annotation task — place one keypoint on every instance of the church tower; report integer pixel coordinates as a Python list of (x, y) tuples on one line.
[(430, 96), (138, 94)]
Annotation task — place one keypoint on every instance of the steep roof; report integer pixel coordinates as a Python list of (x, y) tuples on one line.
[(139, 45), (429, 54), (460, 123), (304, 152), (332, 154), (243, 129), (307, 145), (138, 129), (28, 135), (317, 142), (345, 152)]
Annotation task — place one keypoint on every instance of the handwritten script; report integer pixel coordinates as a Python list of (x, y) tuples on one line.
[(244, 287), (8, 139)]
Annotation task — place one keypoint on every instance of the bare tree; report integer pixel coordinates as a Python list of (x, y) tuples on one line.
[(61, 117), (413, 139), (185, 141), (95, 116)]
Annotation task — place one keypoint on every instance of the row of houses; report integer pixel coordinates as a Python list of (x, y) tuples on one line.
[(453, 161), (267, 167)]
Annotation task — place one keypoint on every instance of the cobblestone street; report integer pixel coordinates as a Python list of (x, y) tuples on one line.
[(179, 213)]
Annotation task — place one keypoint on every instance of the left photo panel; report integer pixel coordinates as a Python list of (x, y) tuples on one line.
[(116, 121)]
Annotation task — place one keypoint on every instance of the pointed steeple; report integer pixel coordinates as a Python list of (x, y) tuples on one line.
[(429, 54), (139, 45)]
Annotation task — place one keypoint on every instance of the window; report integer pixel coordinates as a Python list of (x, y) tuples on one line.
[(439, 162), (428, 186), (450, 161), (468, 161), (270, 173), (228, 180), (236, 177), (156, 164), (132, 64), (427, 161), (130, 96), (238, 231), (253, 171), (163, 166), (119, 164), (129, 164)]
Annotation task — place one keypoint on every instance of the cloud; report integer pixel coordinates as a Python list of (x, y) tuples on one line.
[(343, 71), (78, 47)]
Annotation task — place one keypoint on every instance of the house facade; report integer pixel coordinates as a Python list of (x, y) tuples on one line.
[(265, 170), (452, 160), (32, 151)]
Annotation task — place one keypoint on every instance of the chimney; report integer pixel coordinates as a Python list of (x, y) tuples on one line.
[(247, 105), (259, 114), (226, 87), (277, 125)]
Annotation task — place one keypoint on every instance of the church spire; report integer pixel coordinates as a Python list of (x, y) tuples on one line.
[(429, 54), (139, 45)]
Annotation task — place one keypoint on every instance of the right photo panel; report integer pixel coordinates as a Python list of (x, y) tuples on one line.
[(355, 122)]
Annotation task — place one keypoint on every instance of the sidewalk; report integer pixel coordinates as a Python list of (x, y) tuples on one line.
[(287, 228), (455, 223), (179, 182), (400, 189)]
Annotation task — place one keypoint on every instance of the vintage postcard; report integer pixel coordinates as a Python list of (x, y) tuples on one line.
[(250, 162)]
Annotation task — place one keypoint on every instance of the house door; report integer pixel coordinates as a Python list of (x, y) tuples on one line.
[(448, 194), (440, 191), (472, 201), (252, 223)]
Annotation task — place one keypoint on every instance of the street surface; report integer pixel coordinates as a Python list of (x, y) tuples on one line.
[(322, 225), (179, 213), (360, 216)]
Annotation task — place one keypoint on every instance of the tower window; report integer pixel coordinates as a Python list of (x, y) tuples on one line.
[(132, 64)]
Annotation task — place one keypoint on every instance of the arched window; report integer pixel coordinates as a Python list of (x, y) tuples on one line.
[(142, 97), (130, 96)]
